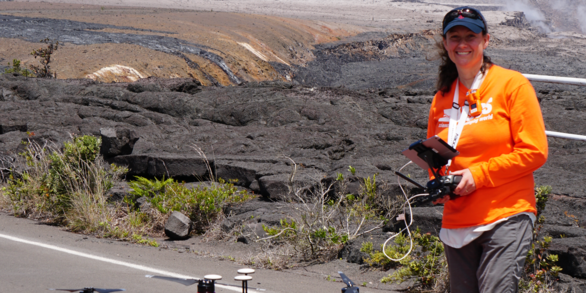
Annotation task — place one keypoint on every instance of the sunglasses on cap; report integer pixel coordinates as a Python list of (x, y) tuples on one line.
[(463, 13)]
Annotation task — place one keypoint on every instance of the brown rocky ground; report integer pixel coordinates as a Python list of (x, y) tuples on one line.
[(246, 42), (255, 47)]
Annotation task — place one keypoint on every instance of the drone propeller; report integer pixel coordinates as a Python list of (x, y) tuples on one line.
[(189, 282), (186, 282), (90, 290), (346, 280), (351, 285)]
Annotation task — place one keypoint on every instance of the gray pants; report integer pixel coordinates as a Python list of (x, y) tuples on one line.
[(493, 262)]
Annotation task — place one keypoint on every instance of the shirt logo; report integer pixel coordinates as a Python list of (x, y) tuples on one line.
[(486, 109), (446, 117)]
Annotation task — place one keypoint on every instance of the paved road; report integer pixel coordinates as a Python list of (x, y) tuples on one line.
[(35, 257)]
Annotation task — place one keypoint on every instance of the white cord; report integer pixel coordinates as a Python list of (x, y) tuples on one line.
[(408, 203)]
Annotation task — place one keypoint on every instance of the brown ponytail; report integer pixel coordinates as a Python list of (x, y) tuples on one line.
[(448, 71)]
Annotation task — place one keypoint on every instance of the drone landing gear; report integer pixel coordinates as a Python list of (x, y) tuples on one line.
[(350, 286), (244, 280), (207, 284)]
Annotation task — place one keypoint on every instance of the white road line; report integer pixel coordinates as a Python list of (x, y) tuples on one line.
[(109, 260)]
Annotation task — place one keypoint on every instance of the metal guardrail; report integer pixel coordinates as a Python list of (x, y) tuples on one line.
[(560, 80), (565, 135), (556, 79)]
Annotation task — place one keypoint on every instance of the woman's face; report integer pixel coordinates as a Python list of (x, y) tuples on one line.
[(464, 47)]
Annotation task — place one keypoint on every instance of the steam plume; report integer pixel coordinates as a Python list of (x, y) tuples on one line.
[(532, 13), (564, 15), (582, 11)]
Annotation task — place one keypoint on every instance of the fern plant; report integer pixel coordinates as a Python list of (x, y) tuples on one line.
[(144, 187)]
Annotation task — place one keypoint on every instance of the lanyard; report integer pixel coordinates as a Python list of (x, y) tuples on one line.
[(457, 124)]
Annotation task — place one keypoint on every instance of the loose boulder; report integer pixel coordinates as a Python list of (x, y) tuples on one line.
[(178, 226)]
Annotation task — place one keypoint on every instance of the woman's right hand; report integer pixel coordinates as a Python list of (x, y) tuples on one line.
[(467, 184), (465, 187)]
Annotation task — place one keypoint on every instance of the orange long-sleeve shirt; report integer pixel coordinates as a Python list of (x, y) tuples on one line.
[(502, 147)]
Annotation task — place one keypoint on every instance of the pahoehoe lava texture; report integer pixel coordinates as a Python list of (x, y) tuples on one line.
[(256, 125), (410, 60), (250, 131), (81, 33), (372, 61)]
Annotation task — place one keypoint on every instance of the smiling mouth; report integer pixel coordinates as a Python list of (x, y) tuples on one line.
[(462, 53)]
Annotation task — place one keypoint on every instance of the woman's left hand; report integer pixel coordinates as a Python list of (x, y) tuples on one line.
[(467, 185)]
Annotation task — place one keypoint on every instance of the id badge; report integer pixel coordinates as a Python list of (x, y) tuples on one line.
[(474, 101)]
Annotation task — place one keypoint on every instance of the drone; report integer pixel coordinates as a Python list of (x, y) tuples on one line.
[(90, 290), (207, 284), (350, 286)]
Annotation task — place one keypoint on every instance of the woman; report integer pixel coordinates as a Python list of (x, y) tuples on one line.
[(492, 117)]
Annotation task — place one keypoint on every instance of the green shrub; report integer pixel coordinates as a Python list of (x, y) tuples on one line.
[(55, 179), (327, 217), (426, 265), (541, 270), (312, 242), (376, 258), (68, 186), (44, 69), (202, 204), (44, 55), (369, 189), (73, 171), (15, 68)]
